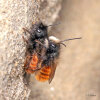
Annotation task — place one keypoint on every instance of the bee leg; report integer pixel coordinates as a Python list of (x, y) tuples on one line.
[(36, 69), (40, 43), (25, 40), (26, 30)]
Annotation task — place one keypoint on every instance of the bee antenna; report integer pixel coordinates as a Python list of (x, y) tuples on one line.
[(63, 44), (54, 24), (70, 39)]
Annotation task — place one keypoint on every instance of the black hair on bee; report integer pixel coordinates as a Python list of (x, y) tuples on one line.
[(38, 37), (52, 51), (35, 46)]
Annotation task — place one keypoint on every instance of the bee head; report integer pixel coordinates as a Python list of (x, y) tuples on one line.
[(40, 31), (54, 45)]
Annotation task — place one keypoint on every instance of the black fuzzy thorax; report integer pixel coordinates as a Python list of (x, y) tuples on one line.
[(39, 33), (52, 53)]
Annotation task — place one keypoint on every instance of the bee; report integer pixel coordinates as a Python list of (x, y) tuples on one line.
[(42, 53), (35, 47), (50, 60)]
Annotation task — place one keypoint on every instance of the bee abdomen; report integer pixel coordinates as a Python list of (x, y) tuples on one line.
[(44, 74), (34, 61), (32, 64)]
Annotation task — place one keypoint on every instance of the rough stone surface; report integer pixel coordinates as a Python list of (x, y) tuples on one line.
[(14, 15), (78, 74)]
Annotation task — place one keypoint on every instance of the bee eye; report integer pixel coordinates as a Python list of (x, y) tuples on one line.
[(38, 30), (53, 45)]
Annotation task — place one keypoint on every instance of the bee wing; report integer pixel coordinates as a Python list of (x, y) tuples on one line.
[(53, 69)]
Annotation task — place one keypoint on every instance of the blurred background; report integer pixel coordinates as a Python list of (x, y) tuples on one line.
[(77, 76)]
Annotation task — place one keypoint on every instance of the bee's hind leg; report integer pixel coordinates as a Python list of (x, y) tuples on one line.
[(26, 30), (25, 40)]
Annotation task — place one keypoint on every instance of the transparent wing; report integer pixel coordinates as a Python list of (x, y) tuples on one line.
[(53, 69)]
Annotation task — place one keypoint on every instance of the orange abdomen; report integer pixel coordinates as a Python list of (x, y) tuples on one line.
[(33, 64), (44, 74)]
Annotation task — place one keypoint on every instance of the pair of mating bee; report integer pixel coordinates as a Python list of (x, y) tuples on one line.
[(42, 53)]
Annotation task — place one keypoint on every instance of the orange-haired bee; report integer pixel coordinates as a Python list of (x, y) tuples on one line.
[(50, 60), (36, 47)]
